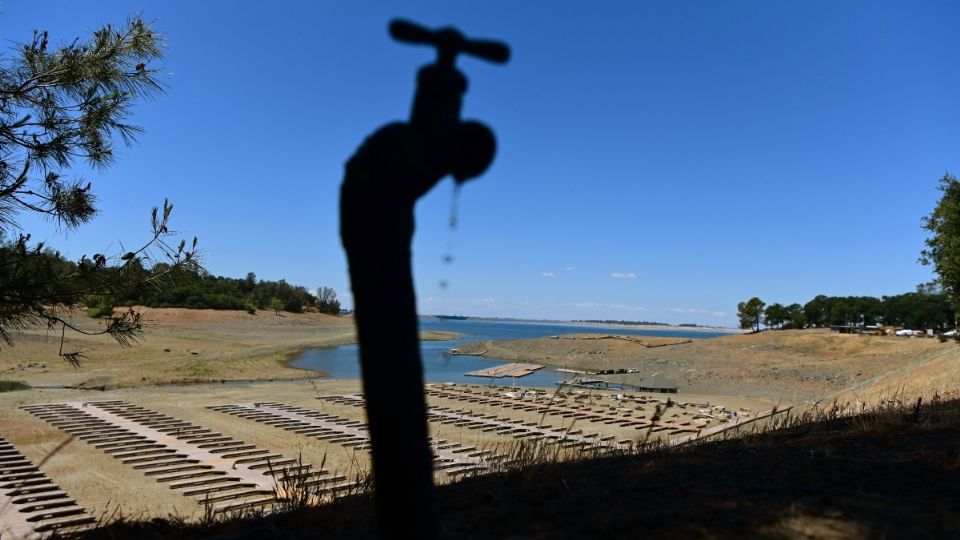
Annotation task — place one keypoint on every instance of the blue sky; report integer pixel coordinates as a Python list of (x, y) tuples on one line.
[(657, 160)]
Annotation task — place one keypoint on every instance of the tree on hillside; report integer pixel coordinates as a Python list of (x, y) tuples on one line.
[(327, 301), (943, 246), (853, 310), (249, 283), (795, 317), (751, 313), (59, 105), (817, 311), (929, 307), (775, 315), (920, 310)]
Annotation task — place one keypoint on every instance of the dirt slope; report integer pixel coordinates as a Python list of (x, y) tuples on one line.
[(793, 365), (179, 345)]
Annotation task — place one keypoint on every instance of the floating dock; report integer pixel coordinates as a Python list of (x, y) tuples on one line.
[(506, 370), (654, 383)]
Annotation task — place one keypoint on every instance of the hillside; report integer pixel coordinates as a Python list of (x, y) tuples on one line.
[(179, 345), (793, 365)]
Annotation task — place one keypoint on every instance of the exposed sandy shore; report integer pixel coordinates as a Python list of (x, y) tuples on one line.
[(750, 372), (179, 346), (102, 484), (616, 325), (723, 329), (790, 365)]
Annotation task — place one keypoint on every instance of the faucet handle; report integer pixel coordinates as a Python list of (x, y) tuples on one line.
[(449, 42)]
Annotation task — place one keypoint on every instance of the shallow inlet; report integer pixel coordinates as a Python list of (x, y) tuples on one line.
[(439, 366)]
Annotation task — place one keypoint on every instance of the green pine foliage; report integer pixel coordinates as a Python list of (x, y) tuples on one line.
[(218, 292), (61, 105), (750, 314), (943, 245), (192, 290)]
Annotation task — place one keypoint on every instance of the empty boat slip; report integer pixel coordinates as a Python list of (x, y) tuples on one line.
[(30, 503), (451, 458), (216, 470)]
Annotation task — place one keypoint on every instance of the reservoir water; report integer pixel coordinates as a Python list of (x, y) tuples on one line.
[(439, 366)]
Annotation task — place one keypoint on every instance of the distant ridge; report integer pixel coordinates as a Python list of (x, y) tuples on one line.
[(452, 317)]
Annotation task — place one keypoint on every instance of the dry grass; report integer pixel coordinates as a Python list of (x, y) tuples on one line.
[(844, 470), (180, 345), (793, 365)]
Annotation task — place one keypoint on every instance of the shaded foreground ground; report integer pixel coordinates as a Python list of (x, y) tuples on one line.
[(890, 473)]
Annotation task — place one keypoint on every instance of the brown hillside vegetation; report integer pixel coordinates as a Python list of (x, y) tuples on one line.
[(179, 346), (927, 375), (792, 365), (890, 472)]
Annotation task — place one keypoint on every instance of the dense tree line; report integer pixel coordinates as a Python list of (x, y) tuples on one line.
[(928, 307), (217, 292), (625, 323), (932, 306), (153, 287)]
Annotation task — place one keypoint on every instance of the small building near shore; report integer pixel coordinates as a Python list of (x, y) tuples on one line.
[(657, 383)]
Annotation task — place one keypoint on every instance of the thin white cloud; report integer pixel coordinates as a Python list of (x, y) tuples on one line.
[(434, 301), (570, 269), (624, 275), (696, 311), (548, 274), (689, 310), (599, 306), (622, 308)]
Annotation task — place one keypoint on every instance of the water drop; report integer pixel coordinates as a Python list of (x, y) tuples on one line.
[(453, 205)]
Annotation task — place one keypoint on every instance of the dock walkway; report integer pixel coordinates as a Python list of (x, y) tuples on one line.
[(506, 370)]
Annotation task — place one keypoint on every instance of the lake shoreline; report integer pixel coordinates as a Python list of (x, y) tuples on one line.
[(590, 324), (440, 366)]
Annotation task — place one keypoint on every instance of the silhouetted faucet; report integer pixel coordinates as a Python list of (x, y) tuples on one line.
[(394, 167)]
